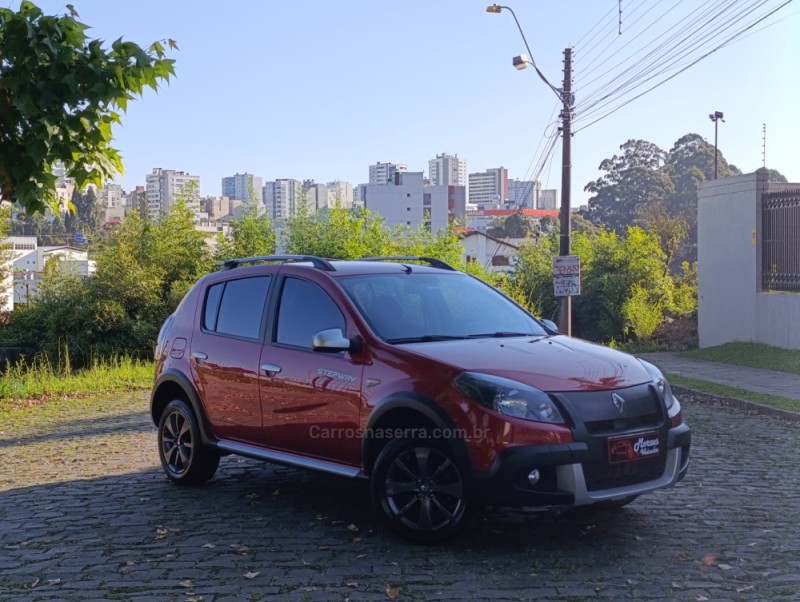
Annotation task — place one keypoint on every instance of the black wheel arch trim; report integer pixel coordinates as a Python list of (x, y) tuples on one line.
[(178, 378), (429, 409)]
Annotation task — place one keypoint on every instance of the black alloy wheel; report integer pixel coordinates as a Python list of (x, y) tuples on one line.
[(184, 458), (421, 491)]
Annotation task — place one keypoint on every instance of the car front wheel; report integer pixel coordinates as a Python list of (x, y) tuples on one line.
[(184, 458), (420, 491)]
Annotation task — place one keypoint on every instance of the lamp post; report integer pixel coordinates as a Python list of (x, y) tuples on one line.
[(567, 101), (715, 117)]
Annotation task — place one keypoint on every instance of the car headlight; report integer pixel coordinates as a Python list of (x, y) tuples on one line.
[(508, 397), (670, 402)]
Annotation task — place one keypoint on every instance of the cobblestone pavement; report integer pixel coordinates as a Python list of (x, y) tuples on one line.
[(86, 514)]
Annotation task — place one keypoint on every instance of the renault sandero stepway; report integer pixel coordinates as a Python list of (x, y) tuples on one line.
[(440, 391)]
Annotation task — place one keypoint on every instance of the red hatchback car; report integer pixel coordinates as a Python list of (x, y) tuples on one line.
[(437, 388)]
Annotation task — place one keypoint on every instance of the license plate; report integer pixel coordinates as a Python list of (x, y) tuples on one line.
[(629, 448)]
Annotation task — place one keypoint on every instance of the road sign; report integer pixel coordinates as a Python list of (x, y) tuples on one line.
[(567, 276)]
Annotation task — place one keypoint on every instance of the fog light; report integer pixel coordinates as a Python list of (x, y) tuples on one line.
[(534, 476)]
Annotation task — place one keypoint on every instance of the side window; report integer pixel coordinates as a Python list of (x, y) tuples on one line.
[(304, 310), (235, 307), (212, 306)]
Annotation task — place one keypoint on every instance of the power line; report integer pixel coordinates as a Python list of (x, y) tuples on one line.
[(685, 49), (694, 62), (678, 42)]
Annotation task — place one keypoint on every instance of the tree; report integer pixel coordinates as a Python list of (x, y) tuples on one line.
[(250, 236), (690, 163), (626, 290), (773, 175), (515, 225), (671, 230), (60, 94), (634, 179), (88, 212)]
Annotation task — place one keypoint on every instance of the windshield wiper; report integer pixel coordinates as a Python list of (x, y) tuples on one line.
[(502, 334), (428, 338)]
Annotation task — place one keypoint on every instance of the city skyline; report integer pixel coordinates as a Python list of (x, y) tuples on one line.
[(316, 90)]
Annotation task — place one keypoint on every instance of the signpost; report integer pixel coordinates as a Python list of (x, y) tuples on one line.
[(567, 275)]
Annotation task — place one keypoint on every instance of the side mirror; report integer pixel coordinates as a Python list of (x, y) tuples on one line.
[(333, 341), (550, 325)]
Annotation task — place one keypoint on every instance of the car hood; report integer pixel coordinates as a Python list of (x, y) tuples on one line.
[(554, 363)]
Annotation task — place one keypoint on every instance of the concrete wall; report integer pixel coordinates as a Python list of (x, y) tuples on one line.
[(731, 306), (726, 260)]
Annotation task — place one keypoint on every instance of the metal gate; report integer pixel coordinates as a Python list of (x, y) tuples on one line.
[(780, 240)]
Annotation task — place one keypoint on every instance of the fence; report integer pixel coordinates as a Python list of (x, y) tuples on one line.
[(780, 240)]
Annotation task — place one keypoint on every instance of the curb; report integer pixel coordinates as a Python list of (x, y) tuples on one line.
[(738, 403)]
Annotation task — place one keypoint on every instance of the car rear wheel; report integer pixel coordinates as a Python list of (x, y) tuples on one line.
[(184, 458), (421, 491)]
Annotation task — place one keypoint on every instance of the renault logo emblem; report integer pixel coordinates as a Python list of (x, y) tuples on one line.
[(619, 402)]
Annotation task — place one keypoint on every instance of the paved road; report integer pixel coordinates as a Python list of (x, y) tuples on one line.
[(85, 514)]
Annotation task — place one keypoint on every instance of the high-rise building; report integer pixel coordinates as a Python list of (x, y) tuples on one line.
[(243, 187), (315, 195), (548, 199), (136, 200), (165, 186), (524, 194), (409, 202), (447, 170), (489, 189), (383, 173), (284, 198), (340, 194)]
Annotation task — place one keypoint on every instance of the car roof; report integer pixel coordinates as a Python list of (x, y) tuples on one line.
[(347, 267)]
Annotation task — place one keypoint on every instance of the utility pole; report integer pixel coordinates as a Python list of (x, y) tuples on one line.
[(565, 305)]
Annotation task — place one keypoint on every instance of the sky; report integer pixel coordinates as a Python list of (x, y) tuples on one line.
[(321, 89)]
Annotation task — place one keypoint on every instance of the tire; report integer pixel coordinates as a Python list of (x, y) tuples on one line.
[(421, 492), (184, 458)]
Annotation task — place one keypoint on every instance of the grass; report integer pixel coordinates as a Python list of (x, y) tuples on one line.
[(705, 386), (754, 355), (22, 386)]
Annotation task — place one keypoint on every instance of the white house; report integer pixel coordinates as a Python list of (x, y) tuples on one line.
[(28, 260), (494, 254)]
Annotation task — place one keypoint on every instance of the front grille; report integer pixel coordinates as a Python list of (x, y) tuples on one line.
[(601, 475), (624, 424)]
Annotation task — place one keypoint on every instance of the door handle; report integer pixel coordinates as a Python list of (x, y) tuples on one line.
[(199, 356), (270, 368)]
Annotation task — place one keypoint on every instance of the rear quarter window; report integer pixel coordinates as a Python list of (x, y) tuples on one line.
[(236, 307)]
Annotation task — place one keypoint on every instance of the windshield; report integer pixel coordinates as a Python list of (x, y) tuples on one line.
[(405, 308)]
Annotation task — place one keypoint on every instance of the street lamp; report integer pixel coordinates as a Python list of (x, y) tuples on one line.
[(715, 117), (567, 101)]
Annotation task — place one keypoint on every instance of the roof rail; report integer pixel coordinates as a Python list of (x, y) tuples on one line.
[(317, 262), (434, 263)]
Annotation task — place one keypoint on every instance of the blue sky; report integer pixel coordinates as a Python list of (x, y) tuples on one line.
[(322, 89)]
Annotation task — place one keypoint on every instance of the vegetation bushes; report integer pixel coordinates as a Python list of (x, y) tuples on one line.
[(626, 290), (144, 268)]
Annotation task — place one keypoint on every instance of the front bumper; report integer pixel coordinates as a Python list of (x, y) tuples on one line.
[(567, 474)]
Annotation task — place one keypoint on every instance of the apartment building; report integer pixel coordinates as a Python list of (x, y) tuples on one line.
[(383, 173), (524, 194), (243, 187), (447, 170), (488, 189), (284, 198), (408, 201), (165, 186), (548, 199)]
